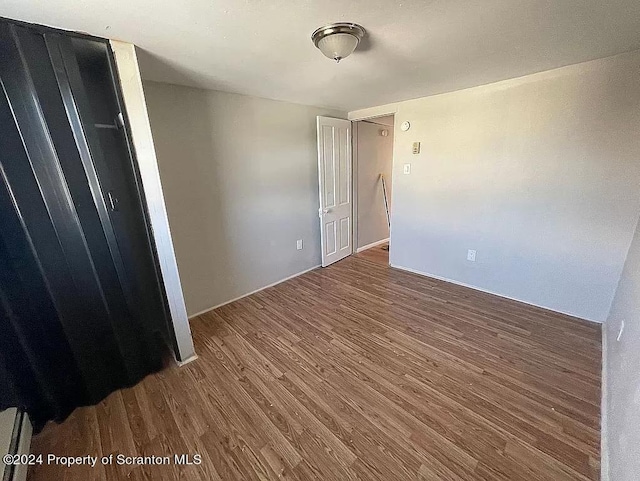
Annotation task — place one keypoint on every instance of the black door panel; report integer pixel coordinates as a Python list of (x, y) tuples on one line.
[(83, 310)]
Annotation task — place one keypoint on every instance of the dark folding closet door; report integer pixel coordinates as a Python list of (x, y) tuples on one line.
[(88, 89), (26, 297), (79, 295)]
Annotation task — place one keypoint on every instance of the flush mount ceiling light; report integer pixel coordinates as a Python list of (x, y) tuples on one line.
[(338, 40)]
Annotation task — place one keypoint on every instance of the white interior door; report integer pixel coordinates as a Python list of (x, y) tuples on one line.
[(334, 168)]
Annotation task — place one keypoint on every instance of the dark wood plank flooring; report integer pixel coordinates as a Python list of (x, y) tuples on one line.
[(358, 372), (378, 254)]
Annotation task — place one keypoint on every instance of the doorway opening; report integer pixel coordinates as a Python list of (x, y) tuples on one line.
[(355, 162), (372, 171)]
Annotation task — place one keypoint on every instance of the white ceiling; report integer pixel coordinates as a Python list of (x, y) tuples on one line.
[(414, 48)]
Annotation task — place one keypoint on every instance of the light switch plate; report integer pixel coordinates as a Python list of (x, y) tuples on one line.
[(407, 169), (416, 147), (299, 244)]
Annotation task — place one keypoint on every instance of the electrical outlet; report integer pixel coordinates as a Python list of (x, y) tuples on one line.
[(416, 147), (620, 331), (471, 255), (407, 169), (299, 244)]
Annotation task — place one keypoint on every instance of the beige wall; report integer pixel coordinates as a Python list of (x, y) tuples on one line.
[(621, 407), (240, 179), (540, 175), (374, 156)]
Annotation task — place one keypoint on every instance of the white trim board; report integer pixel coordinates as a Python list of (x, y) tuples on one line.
[(373, 112), (604, 408), (373, 244), (476, 288), (145, 154), (253, 292), (187, 361)]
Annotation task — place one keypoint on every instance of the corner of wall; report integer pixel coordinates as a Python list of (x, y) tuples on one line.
[(604, 404), (608, 418)]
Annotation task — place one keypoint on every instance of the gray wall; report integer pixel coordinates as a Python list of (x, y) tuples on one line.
[(240, 179), (622, 427), (374, 157), (540, 175)]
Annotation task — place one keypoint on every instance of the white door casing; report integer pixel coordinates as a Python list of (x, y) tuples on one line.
[(334, 172)]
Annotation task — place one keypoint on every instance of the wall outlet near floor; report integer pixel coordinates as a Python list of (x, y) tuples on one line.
[(407, 169), (620, 331), (299, 244), (471, 255)]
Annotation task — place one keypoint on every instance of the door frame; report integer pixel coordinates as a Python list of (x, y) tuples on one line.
[(137, 126), (356, 117)]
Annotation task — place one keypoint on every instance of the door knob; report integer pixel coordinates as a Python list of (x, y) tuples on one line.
[(326, 211)]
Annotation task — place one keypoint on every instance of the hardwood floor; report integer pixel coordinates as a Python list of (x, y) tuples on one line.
[(358, 372), (378, 254)]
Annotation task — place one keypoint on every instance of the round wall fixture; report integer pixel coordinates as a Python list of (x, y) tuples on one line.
[(338, 40), (404, 126)]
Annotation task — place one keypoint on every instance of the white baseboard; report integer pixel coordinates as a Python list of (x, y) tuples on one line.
[(373, 244), (253, 292), (476, 288), (187, 361), (604, 410)]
